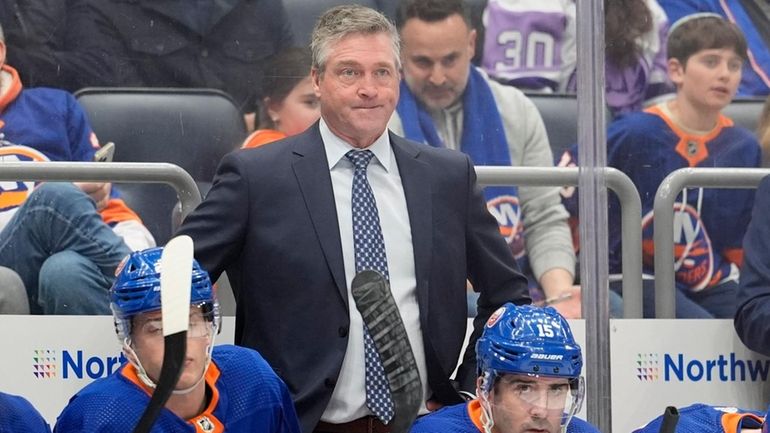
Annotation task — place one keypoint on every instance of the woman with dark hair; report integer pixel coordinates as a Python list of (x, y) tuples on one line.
[(635, 47), (290, 105)]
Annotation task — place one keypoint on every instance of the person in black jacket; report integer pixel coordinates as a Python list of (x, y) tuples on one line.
[(181, 43), (220, 44), (55, 43)]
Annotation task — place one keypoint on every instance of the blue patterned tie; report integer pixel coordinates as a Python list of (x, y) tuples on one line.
[(370, 254)]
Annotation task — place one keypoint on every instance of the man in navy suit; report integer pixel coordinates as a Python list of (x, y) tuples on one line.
[(280, 220)]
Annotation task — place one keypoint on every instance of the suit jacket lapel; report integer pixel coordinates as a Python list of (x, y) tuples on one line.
[(417, 189), (312, 172)]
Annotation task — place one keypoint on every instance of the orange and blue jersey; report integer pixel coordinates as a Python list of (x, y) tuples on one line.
[(42, 124), (245, 396), (709, 223), (262, 136), (466, 418), (702, 418)]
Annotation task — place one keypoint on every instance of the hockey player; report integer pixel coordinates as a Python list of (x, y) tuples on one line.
[(18, 415), (226, 388), (529, 378), (705, 56), (703, 418)]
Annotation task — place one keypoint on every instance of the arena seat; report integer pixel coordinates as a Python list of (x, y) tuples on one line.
[(745, 112), (193, 128), (302, 14), (559, 113)]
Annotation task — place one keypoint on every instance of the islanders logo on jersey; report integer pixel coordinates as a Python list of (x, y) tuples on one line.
[(507, 212), (693, 252), (14, 193)]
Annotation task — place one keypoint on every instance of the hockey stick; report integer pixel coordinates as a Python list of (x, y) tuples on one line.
[(670, 420), (175, 278), (371, 293)]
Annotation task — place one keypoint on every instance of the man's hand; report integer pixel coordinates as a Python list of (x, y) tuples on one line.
[(99, 192), (433, 405), (568, 304), (561, 294)]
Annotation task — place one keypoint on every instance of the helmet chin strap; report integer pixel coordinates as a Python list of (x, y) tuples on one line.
[(486, 413), (487, 421), (142, 373)]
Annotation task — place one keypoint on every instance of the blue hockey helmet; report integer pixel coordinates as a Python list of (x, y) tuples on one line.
[(535, 342), (136, 289), (528, 340)]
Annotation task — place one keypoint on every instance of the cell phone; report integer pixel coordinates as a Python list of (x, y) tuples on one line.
[(105, 153)]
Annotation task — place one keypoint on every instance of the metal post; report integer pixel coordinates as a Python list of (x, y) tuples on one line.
[(630, 207), (592, 155), (133, 172), (663, 222)]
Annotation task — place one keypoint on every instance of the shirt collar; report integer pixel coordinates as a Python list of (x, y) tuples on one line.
[(336, 147)]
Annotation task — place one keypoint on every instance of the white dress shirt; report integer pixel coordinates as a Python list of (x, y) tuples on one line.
[(348, 401)]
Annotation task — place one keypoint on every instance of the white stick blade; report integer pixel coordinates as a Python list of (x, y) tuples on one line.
[(175, 280)]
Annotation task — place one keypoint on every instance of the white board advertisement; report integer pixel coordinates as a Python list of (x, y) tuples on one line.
[(654, 363), (659, 363), (49, 358)]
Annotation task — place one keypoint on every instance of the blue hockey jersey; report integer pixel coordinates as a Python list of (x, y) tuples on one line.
[(42, 124), (709, 223), (466, 418), (702, 418), (246, 396)]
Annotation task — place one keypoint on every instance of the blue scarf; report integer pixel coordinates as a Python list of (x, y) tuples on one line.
[(483, 139)]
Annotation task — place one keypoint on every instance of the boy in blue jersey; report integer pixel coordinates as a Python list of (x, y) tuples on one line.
[(226, 388), (705, 56), (529, 378)]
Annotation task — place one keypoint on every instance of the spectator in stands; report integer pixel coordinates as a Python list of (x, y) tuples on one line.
[(532, 45), (18, 415), (281, 220), (63, 240), (753, 18), (752, 319), (705, 58), (763, 133), (220, 389), (55, 43), (447, 102), (529, 378), (290, 104), (217, 44)]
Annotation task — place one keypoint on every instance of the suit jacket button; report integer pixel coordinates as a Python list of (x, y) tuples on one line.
[(343, 331), (329, 382)]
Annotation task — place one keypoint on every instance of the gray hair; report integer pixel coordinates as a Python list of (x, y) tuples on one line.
[(2, 35), (342, 21)]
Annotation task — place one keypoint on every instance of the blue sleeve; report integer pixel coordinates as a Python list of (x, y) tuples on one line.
[(676, 9), (18, 415), (79, 131), (289, 421), (577, 425), (752, 320)]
